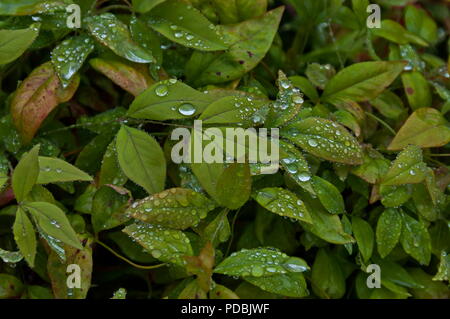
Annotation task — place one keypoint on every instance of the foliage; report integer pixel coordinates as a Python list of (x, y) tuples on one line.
[(86, 176)]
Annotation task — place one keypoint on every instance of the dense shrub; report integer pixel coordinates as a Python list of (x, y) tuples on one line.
[(89, 185)]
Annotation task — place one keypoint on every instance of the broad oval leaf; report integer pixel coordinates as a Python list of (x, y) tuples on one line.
[(182, 23), (26, 174), (417, 90), (260, 262), (234, 185), (326, 139), (141, 159), (169, 100), (54, 170), (290, 284), (395, 32), (176, 208), (389, 228), (327, 278), (364, 236), (362, 81), (167, 245), (426, 127), (282, 202), (416, 240), (13, 43), (24, 236), (114, 34), (53, 221), (329, 195), (36, 97)]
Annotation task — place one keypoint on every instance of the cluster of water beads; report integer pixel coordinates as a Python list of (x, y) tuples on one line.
[(289, 96), (165, 244), (176, 208)]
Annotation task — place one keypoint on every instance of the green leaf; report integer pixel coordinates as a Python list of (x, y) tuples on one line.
[(290, 284), (120, 293), (283, 202), (234, 11), (364, 236), (420, 23), (395, 32), (141, 159), (10, 287), (169, 100), (208, 175), (374, 166), (53, 221), (248, 42), (26, 174), (164, 244), (148, 39), (362, 81), (68, 57), (175, 208), (13, 43), (443, 273), (54, 170), (24, 236), (234, 186), (260, 262), (325, 139), (319, 74), (408, 168), (113, 33), (183, 24), (222, 292), (143, 6), (29, 7), (4, 170), (327, 278), (38, 95), (133, 78), (329, 195), (417, 90), (305, 86), (389, 105), (110, 172), (395, 195), (243, 110), (389, 228), (416, 240), (218, 230), (108, 209), (426, 127)]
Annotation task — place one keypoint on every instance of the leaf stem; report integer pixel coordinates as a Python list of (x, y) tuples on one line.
[(376, 118), (125, 259)]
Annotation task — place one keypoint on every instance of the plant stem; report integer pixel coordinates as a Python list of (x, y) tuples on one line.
[(376, 118)]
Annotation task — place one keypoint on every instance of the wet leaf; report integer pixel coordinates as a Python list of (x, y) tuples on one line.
[(420, 23), (13, 43), (164, 244), (444, 268), (110, 172), (53, 221), (388, 231), (28, 7), (234, 186), (395, 32), (329, 195), (364, 236), (319, 74), (417, 90), (260, 262), (175, 208), (24, 236), (327, 278), (10, 287), (374, 166), (182, 23), (426, 127), (234, 11), (290, 284), (325, 139), (283, 202), (39, 94), (408, 168), (26, 174), (141, 159), (108, 209), (113, 33), (54, 170), (415, 239)]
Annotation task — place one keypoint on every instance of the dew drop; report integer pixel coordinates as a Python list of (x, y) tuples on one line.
[(162, 90), (187, 109)]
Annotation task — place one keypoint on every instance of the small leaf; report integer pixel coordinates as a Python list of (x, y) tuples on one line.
[(362, 81), (24, 236), (319, 74), (68, 57), (183, 24), (175, 208), (389, 105), (364, 236), (395, 195), (416, 240), (443, 273), (426, 127), (143, 6), (234, 11), (164, 244), (282, 202), (218, 230), (110, 172), (417, 90), (395, 32), (388, 231), (420, 23), (108, 209), (54, 170), (374, 166), (327, 278), (208, 174), (13, 43), (141, 159), (290, 284), (53, 221), (26, 174), (260, 262), (120, 293), (114, 34), (234, 186), (408, 168), (38, 95), (329, 195), (325, 139), (169, 100), (305, 86), (10, 287)]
